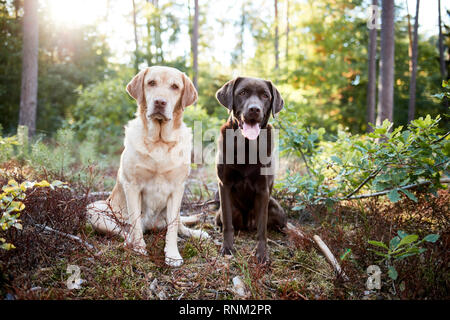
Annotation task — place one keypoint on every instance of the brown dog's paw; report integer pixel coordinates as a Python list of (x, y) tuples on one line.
[(262, 254), (263, 258), (227, 251)]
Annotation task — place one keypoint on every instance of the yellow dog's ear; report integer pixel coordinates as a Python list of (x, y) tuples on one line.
[(135, 87), (190, 95)]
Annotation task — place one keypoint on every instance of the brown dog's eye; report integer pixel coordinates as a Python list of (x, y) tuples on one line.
[(152, 83), (174, 87), (265, 96), (243, 93)]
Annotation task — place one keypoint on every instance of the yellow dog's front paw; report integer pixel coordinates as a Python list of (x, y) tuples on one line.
[(174, 260), (139, 248)]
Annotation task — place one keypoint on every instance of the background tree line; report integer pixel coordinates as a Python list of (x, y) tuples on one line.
[(332, 69)]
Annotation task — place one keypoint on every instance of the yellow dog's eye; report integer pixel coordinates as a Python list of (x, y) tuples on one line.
[(152, 83), (174, 87)]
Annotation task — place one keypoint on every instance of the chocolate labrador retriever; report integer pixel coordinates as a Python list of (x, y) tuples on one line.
[(244, 189)]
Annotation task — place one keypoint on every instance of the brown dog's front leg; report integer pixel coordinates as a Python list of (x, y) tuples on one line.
[(227, 219), (261, 211)]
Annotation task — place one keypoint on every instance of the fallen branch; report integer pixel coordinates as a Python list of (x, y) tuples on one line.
[(96, 194), (67, 235), (204, 204), (295, 230), (330, 257), (323, 247), (409, 186)]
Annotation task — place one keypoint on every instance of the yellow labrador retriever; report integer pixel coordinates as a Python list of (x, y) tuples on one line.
[(154, 165)]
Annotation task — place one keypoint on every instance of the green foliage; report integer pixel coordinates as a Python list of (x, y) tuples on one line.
[(383, 160), (11, 205), (196, 113), (400, 247), (6, 147), (103, 109), (445, 93), (69, 56)]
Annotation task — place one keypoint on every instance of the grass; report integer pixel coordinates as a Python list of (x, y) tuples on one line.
[(37, 268)]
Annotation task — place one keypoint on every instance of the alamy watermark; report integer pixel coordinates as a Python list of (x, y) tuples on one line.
[(74, 281), (373, 17), (206, 150), (374, 279)]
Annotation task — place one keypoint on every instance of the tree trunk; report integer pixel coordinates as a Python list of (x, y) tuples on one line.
[(410, 38), (159, 56), (241, 40), (441, 47), (136, 41), (194, 44), (287, 30), (412, 84), (277, 62), (386, 84), (30, 52), (149, 57), (372, 76)]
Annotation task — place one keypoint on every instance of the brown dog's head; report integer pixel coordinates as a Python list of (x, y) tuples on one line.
[(251, 101), (160, 91)]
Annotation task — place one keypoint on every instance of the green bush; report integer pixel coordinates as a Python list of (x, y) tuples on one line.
[(103, 109), (385, 160)]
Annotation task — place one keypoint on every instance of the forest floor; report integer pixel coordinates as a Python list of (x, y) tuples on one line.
[(37, 268)]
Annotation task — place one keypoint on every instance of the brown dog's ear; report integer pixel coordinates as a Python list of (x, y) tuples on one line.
[(135, 87), (277, 101), (225, 94), (190, 94)]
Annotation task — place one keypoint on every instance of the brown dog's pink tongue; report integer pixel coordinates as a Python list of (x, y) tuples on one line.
[(250, 131)]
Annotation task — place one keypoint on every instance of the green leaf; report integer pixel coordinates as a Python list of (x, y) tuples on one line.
[(345, 254), (394, 242), (378, 244), (408, 239), (401, 234), (394, 196), (7, 246), (393, 274), (405, 255), (336, 159), (431, 238), (384, 255), (409, 195)]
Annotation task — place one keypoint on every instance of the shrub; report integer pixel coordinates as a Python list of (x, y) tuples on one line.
[(11, 205), (385, 160)]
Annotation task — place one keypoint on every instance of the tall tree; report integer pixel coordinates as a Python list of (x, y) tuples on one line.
[(412, 83), (372, 75), (136, 40), (277, 59), (159, 54), (148, 41), (386, 83), (410, 37), (237, 55), (441, 46), (194, 44), (30, 51), (287, 30)]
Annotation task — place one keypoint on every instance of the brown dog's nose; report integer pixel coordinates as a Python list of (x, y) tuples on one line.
[(160, 103), (254, 109)]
